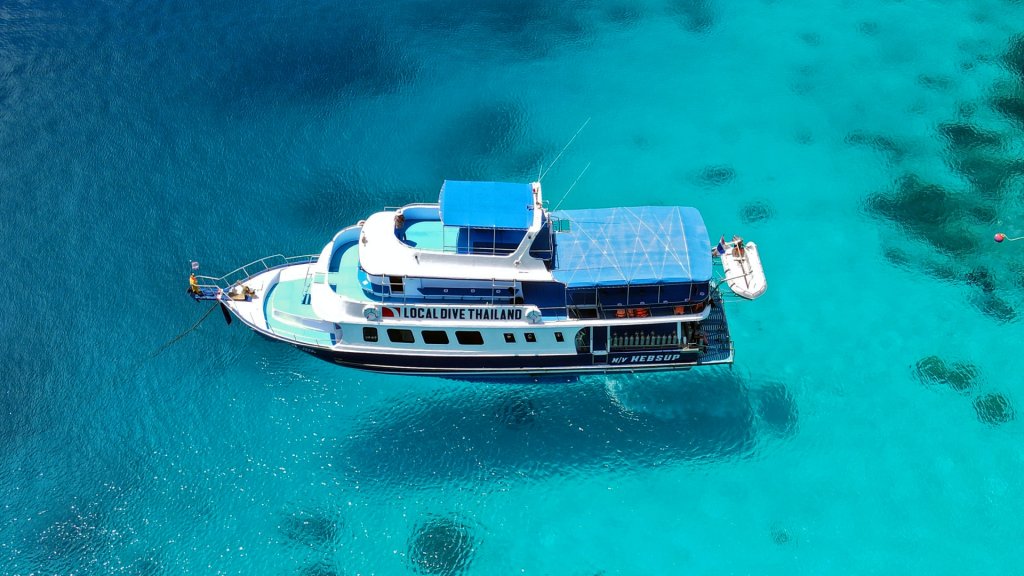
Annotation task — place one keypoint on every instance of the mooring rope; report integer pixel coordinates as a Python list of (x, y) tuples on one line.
[(170, 342)]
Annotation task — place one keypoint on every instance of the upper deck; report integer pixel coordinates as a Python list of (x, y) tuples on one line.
[(501, 232), (387, 250)]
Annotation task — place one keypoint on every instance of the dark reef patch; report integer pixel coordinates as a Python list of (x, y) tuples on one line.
[(931, 370), (927, 211), (1016, 271), (755, 212), (1014, 58), (938, 270), (146, 567), (877, 142), (354, 60), (960, 376), (776, 410), (711, 176), (332, 193), (805, 80), (79, 539), (517, 412), (810, 38), (980, 277), (935, 82), (319, 568), (529, 28), (960, 136), (989, 174), (693, 15), (868, 28), (483, 144), (896, 257), (803, 136), (442, 546), (624, 13), (994, 409), (966, 109), (994, 307), (315, 530), (780, 536), (1010, 106)]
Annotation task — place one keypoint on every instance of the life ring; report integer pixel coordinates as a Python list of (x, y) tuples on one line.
[(371, 314), (533, 316)]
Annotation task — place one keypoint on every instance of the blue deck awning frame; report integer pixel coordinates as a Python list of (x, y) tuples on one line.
[(486, 204), (632, 246)]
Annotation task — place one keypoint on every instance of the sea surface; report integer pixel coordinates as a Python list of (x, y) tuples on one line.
[(872, 423)]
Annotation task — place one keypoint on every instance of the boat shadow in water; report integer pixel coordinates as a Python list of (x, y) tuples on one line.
[(616, 423)]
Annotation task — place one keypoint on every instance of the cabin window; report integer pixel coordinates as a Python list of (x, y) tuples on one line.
[(583, 341), (435, 337), (530, 337), (469, 337), (400, 335), (510, 338), (559, 337), (369, 334)]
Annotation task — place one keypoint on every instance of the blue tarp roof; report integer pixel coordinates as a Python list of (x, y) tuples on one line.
[(486, 204), (640, 245)]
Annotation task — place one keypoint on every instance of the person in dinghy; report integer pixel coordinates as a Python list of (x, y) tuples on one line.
[(737, 250)]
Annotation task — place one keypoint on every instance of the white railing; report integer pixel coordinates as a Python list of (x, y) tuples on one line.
[(243, 273)]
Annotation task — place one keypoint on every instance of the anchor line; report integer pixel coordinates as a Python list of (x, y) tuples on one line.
[(172, 341)]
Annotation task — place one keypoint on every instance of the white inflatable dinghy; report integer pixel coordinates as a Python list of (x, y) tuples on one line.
[(743, 271)]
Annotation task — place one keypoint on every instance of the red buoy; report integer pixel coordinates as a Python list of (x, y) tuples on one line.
[(1000, 236)]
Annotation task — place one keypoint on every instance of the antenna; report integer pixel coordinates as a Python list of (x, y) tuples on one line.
[(544, 173), (573, 186)]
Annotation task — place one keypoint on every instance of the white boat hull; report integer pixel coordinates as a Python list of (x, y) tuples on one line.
[(743, 273)]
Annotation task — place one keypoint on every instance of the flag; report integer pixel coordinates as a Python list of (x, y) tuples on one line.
[(195, 265), (720, 249)]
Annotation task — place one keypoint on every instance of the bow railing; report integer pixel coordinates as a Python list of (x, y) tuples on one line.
[(243, 273)]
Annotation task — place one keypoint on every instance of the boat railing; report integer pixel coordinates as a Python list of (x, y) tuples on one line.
[(243, 273)]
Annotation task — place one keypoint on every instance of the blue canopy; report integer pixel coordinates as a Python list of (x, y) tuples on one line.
[(486, 204), (639, 245)]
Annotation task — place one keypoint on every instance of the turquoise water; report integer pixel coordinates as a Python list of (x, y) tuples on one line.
[(870, 149)]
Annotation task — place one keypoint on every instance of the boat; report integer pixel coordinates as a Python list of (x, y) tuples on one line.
[(487, 282), (744, 274)]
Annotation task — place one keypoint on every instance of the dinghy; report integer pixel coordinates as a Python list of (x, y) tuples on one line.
[(743, 271)]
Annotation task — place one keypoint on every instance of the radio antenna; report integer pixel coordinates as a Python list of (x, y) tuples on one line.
[(564, 196), (544, 173)]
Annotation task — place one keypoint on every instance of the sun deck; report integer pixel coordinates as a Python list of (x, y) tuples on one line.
[(289, 314), (425, 235), (343, 274)]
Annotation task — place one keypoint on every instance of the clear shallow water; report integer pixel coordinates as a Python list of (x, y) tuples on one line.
[(870, 149)]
